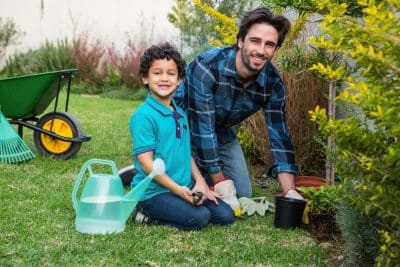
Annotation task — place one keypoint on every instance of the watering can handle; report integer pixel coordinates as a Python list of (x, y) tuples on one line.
[(88, 166)]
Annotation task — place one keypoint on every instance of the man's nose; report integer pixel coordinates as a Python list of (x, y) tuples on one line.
[(261, 49)]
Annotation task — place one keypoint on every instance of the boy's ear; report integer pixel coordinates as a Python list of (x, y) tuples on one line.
[(145, 80)]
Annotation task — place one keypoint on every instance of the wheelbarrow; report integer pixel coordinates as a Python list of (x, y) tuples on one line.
[(24, 98)]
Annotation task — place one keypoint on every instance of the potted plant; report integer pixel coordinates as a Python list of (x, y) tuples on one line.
[(319, 214)]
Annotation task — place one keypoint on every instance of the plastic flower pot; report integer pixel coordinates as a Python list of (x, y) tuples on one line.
[(288, 212), (309, 181)]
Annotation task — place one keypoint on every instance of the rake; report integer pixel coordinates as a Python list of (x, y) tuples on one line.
[(12, 148)]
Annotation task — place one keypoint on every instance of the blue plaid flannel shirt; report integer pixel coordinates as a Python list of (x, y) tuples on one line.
[(215, 100)]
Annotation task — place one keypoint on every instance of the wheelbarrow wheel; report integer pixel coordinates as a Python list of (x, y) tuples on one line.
[(64, 124)]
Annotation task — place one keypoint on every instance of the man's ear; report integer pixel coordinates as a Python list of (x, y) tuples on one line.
[(240, 43)]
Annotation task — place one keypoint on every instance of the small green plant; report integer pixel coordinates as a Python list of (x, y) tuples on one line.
[(361, 235), (323, 199)]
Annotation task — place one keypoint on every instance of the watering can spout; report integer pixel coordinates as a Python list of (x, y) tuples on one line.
[(130, 200)]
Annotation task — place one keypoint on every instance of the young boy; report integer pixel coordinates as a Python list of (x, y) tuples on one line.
[(159, 129)]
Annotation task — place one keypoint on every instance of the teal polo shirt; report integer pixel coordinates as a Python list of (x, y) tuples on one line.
[(155, 127)]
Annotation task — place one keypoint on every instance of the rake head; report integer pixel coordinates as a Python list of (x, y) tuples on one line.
[(12, 148)]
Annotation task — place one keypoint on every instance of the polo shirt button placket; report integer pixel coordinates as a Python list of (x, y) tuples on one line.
[(176, 116)]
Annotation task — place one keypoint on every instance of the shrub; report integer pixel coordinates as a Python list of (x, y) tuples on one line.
[(49, 57), (88, 58), (360, 233), (323, 199), (367, 146)]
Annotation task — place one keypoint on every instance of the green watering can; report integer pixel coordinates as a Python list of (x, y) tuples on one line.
[(103, 206)]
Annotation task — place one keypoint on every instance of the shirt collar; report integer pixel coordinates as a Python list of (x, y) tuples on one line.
[(160, 107)]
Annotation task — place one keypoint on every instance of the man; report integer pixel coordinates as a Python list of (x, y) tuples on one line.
[(223, 87)]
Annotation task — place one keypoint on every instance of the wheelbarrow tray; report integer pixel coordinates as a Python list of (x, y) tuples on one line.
[(29, 95)]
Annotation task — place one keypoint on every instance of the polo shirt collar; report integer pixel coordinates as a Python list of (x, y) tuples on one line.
[(160, 107), (230, 68)]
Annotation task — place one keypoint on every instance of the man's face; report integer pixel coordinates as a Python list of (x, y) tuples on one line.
[(257, 48)]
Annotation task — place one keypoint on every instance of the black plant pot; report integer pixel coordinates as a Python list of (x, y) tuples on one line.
[(288, 212)]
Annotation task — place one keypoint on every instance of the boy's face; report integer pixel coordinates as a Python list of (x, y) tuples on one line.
[(162, 79)]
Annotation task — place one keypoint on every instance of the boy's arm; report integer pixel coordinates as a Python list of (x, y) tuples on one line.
[(201, 185), (146, 162)]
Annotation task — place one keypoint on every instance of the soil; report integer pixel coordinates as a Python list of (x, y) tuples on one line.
[(324, 229)]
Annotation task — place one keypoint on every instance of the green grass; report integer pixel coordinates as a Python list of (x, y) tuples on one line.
[(37, 218)]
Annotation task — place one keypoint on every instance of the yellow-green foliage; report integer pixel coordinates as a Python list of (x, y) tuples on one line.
[(225, 26), (368, 145)]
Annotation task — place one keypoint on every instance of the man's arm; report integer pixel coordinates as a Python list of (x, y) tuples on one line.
[(201, 108), (280, 140)]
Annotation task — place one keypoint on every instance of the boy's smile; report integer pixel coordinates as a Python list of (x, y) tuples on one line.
[(162, 79)]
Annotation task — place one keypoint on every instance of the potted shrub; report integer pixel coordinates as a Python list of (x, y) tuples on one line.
[(319, 214)]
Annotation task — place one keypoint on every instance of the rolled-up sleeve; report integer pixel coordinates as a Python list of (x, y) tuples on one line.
[(201, 109), (282, 151)]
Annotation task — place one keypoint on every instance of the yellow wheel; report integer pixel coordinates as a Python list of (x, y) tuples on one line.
[(59, 127), (63, 124)]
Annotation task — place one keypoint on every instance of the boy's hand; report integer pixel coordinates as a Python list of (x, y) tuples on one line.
[(202, 187), (184, 193)]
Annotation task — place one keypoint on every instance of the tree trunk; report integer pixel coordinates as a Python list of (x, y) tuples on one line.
[(330, 169)]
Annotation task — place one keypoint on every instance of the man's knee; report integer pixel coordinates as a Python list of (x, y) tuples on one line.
[(243, 187)]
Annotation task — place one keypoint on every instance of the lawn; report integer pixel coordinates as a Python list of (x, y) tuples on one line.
[(37, 218)]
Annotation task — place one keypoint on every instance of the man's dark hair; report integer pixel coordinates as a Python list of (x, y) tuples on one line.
[(264, 15), (161, 51)]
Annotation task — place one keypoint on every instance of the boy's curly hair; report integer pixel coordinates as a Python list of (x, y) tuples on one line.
[(161, 51)]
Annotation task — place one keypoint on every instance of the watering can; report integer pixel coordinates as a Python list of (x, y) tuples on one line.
[(103, 206)]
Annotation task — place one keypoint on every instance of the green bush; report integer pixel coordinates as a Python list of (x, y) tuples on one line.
[(367, 146), (323, 199), (49, 57), (360, 233)]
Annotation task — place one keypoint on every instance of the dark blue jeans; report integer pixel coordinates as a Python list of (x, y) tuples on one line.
[(169, 209)]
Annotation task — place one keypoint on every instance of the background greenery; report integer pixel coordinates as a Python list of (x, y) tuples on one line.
[(37, 218)]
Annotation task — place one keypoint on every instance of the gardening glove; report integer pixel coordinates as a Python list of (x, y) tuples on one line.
[(226, 189), (293, 194), (250, 206)]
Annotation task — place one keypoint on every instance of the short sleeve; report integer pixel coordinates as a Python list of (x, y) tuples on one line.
[(142, 130)]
